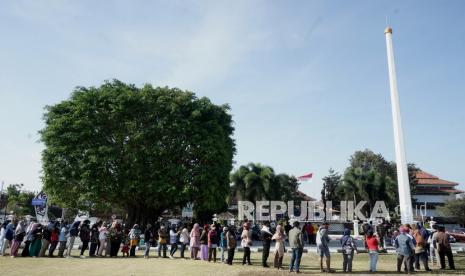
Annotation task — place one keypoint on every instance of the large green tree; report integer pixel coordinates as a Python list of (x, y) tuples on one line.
[(455, 209), (19, 200), (139, 149), (371, 177)]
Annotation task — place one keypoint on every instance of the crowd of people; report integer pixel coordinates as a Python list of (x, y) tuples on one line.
[(414, 244)]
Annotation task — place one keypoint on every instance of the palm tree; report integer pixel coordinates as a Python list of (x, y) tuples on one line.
[(252, 182)]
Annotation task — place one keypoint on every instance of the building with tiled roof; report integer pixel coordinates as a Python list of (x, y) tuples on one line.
[(432, 192)]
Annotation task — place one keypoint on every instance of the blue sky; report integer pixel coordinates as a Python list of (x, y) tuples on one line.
[(307, 80)]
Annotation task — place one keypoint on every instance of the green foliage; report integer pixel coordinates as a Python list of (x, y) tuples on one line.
[(371, 178), (255, 182), (19, 200), (331, 183), (139, 149), (456, 209)]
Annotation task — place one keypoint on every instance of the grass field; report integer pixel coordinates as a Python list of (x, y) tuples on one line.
[(156, 266)]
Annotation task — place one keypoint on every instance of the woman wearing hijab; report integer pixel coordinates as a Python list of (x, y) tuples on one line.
[(420, 248), (62, 239), (27, 242), (102, 238), (2, 235), (134, 236), (223, 243), (116, 236), (84, 235), (94, 239), (162, 241), (204, 243), (212, 243), (53, 239), (195, 241), (184, 240), (279, 238), (348, 248), (36, 243), (20, 232)]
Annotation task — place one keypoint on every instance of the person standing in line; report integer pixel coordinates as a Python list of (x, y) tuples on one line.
[(296, 242), (381, 232), (409, 233), (279, 249), (313, 231), (432, 249), (405, 249), (134, 238), (195, 241), (73, 233), (204, 243), (29, 238), (116, 237), (94, 239), (287, 228), (174, 234), (372, 244), (231, 244), (246, 242), (420, 248), (20, 232), (62, 238), (223, 243), (444, 249), (148, 240), (2, 235), (322, 242), (53, 239), (348, 249), (212, 243), (9, 235), (84, 235), (103, 239), (266, 241), (108, 247), (36, 243), (162, 241), (46, 237), (184, 240), (307, 231)]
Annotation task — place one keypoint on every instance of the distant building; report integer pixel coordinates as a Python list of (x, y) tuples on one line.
[(432, 192)]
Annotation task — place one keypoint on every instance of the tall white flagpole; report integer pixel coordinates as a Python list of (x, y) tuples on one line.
[(405, 199)]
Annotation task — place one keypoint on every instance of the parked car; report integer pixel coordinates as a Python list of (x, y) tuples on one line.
[(458, 234)]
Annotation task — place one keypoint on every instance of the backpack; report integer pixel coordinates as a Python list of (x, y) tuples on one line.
[(347, 247), (9, 234), (73, 232)]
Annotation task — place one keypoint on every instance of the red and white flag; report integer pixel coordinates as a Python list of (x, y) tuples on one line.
[(305, 177)]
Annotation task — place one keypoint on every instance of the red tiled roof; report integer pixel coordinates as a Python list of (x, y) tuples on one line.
[(425, 178), (305, 196)]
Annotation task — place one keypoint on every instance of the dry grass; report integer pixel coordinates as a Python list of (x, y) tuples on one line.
[(155, 266)]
